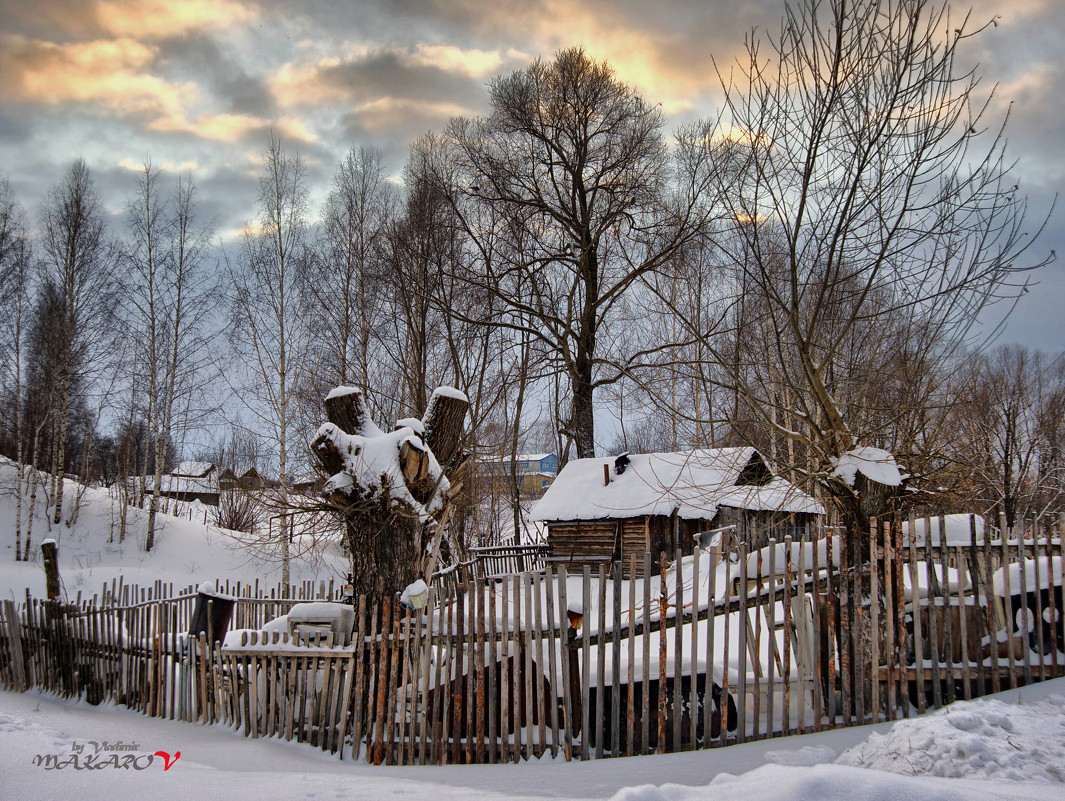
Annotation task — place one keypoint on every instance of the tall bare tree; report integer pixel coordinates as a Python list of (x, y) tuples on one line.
[(268, 307), (874, 214), (15, 287), (168, 303), (1008, 430), (346, 287), (575, 160), (77, 264)]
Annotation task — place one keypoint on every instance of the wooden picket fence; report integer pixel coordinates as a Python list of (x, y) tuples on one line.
[(709, 650)]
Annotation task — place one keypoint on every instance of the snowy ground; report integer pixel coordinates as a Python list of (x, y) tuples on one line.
[(1010, 746), (186, 552)]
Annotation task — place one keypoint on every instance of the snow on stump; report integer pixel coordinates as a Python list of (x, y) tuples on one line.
[(391, 489)]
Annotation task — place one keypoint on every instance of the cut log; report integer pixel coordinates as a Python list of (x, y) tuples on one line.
[(345, 408), (443, 424)]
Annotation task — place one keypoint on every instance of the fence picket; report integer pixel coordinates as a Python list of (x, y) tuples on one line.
[(505, 673)]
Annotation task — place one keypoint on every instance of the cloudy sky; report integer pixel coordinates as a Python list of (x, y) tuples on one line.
[(199, 84)]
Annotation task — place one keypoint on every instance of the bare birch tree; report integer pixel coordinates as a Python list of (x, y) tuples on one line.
[(268, 308), (167, 306), (15, 287), (77, 262)]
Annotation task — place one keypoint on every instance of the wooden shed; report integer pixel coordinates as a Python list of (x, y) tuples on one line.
[(603, 510)]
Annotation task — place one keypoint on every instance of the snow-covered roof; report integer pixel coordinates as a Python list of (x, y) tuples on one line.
[(185, 485), (193, 469), (693, 484)]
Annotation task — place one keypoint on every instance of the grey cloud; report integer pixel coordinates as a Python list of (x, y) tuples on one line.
[(202, 57)]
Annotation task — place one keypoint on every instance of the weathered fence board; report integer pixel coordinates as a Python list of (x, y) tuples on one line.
[(708, 650)]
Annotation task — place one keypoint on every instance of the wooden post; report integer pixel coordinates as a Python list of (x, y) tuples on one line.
[(50, 555)]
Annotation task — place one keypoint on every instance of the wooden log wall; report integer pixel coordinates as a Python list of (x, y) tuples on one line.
[(588, 664)]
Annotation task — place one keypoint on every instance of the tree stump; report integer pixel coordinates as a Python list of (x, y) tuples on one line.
[(392, 490)]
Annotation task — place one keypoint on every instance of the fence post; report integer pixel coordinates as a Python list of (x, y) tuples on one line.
[(13, 631)]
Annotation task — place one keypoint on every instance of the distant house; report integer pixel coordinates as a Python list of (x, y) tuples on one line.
[(602, 510), (188, 482), (535, 472), (246, 478)]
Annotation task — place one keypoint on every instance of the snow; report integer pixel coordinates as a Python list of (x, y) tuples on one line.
[(449, 392), (192, 469), (1037, 574), (186, 552), (693, 484), (956, 527), (372, 456), (1016, 735), (873, 463)]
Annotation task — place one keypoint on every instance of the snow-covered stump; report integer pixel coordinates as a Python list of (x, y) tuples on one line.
[(392, 490)]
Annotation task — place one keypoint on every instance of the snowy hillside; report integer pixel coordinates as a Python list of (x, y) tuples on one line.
[(185, 552)]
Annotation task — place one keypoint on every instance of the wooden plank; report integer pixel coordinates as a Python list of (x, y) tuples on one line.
[(1026, 622), (552, 658), (891, 644), (663, 607), (827, 630), (847, 573), (1052, 605), (709, 662), (678, 650), (378, 628), (600, 672), (933, 615), (481, 752), (754, 638), (963, 632), (361, 656), (1004, 601), (741, 647), (874, 619), (586, 609), (693, 671), (989, 608), (505, 688), (568, 685), (424, 709), (785, 666), (458, 674), (529, 681), (1037, 617), (645, 713), (540, 701), (492, 679), (631, 640), (918, 640), (947, 596), (725, 668), (436, 754)]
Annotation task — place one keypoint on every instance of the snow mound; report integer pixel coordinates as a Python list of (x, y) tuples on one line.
[(976, 739), (873, 463)]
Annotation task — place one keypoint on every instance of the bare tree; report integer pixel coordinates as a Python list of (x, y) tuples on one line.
[(15, 287), (77, 265), (1008, 429), (575, 160), (168, 303), (346, 287), (268, 306), (874, 213)]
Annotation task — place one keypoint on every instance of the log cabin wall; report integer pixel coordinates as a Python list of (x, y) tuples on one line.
[(576, 543)]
